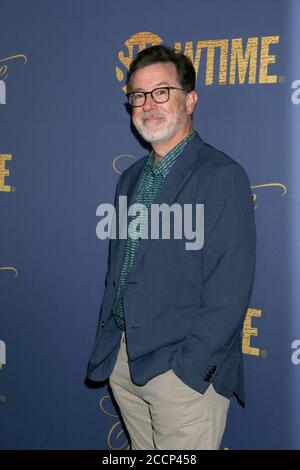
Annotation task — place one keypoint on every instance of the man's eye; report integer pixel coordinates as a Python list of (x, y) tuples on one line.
[(161, 92), (138, 96)]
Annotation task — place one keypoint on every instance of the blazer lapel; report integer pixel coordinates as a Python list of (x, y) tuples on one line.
[(175, 180)]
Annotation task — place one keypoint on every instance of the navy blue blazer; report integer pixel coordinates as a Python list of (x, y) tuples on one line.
[(184, 309)]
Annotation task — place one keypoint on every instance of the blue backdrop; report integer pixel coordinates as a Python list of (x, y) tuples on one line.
[(65, 137)]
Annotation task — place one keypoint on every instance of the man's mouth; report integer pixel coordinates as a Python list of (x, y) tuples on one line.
[(153, 119)]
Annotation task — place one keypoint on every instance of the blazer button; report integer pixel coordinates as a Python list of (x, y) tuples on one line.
[(114, 283), (102, 324)]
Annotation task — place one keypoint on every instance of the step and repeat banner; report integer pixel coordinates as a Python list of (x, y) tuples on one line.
[(65, 137)]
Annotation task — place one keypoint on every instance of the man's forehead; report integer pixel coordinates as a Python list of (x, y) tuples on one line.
[(154, 75)]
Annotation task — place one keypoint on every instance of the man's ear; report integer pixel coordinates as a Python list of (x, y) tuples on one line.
[(190, 101)]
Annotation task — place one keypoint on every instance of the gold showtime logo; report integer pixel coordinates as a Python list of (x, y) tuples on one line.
[(4, 172), (239, 61), (249, 331), (4, 187)]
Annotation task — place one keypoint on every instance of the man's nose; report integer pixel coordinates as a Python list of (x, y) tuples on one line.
[(149, 102)]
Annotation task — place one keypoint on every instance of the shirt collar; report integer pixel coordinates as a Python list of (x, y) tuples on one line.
[(162, 166)]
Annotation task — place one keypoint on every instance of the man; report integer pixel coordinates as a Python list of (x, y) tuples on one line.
[(169, 334)]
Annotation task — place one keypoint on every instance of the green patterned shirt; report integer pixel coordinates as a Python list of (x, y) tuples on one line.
[(151, 181)]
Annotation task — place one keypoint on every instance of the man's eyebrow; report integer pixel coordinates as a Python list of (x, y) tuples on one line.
[(155, 86)]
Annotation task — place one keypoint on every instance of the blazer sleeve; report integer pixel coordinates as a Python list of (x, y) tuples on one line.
[(228, 268)]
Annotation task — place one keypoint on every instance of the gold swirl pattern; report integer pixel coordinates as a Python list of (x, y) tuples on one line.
[(9, 268), (116, 430), (268, 185), (115, 160), (4, 68)]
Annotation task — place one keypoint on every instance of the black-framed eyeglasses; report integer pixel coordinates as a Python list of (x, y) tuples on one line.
[(159, 95)]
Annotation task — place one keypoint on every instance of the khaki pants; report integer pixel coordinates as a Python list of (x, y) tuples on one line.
[(165, 413)]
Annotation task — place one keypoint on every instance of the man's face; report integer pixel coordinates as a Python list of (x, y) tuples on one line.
[(159, 122)]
